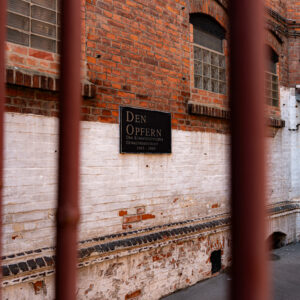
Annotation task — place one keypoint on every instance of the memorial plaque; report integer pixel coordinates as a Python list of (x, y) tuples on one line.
[(144, 131)]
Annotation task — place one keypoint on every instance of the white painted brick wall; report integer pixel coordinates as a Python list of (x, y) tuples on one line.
[(183, 185)]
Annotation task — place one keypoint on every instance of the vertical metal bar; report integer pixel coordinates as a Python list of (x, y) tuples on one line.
[(2, 101), (70, 99), (250, 269)]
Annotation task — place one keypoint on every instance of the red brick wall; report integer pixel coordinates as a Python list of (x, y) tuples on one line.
[(293, 10), (293, 13), (294, 61), (279, 6), (139, 53)]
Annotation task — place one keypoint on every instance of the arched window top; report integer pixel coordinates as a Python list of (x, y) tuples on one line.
[(276, 36), (207, 31), (273, 60)]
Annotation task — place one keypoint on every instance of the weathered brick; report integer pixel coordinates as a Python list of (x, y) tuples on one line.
[(132, 219), (133, 294)]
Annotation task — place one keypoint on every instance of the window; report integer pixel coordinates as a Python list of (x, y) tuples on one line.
[(272, 94), (33, 23), (209, 58)]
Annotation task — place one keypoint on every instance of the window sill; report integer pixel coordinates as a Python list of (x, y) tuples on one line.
[(35, 80), (208, 111), (219, 113)]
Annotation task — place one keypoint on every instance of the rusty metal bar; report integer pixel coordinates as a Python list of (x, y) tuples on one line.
[(68, 186), (249, 250), (2, 101)]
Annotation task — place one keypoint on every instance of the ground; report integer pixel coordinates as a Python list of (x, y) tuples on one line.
[(285, 267)]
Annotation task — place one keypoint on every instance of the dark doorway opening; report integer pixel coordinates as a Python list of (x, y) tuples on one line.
[(215, 259), (277, 240)]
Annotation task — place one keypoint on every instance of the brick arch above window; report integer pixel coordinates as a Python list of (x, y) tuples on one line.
[(211, 8), (207, 31), (273, 42)]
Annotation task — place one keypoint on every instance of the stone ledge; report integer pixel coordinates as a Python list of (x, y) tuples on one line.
[(219, 113), (30, 265), (35, 80), (282, 207), (18, 268)]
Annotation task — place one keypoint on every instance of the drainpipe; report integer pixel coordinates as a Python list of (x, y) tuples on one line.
[(2, 101), (250, 278), (68, 174)]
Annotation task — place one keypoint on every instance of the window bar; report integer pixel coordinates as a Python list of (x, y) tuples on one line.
[(250, 276), (68, 174), (2, 101)]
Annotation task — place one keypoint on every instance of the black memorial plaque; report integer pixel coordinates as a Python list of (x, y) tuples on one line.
[(144, 131)]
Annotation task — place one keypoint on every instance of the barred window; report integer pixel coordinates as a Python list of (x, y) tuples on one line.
[(271, 88), (33, 23), (209, 58)]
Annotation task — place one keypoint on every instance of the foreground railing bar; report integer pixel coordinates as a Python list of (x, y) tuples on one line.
[(70, 99), (249, 250), (2, 101)]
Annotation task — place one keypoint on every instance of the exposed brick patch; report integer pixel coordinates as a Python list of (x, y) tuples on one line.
[(37, 286), (215, 205), (140, 210), (129, 219), (125, 227), (132, 219), (40, 287), (148, 216), (45, 82), (133, 295)]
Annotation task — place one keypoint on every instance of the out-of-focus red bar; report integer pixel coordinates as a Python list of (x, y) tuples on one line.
[(70, 100), (2, 101), (249, 250)]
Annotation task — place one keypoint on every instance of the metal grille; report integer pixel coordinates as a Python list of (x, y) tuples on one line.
[(272, 89), (33, 23), (209, 70)]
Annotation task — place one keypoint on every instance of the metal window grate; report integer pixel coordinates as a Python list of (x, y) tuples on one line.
[(271, 89), (34, 23), (209, 70)]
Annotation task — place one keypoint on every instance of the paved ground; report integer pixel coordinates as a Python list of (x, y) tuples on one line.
[(285, 274)]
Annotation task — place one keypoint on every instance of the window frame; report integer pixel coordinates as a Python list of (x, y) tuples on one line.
[(30, 33), (270, 91), (214, 78), (224, 82)]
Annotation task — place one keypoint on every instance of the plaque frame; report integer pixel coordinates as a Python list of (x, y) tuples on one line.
[(144, 131)]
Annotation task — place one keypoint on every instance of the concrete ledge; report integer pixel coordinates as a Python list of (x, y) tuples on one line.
[(27, 78), (30, 265), (220, 113)]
